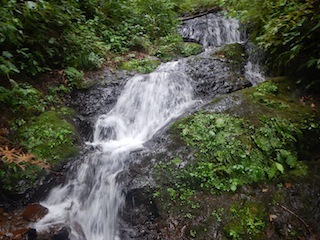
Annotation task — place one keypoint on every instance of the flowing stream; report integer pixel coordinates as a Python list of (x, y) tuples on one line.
[(89, 202)]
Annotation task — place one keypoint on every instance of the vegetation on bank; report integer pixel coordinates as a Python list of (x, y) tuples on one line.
[(265, 141)]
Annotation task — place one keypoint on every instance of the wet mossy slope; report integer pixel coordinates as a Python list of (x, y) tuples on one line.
[(254, 170)]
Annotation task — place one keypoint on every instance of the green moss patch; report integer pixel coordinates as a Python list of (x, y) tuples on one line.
[(234, 53), (247, 222), (49, 136)]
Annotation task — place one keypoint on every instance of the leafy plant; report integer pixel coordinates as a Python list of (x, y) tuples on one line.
[(267, 93), (74, 76), (188, 49)]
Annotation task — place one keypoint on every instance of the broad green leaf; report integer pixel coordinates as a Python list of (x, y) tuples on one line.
[(280, 167)]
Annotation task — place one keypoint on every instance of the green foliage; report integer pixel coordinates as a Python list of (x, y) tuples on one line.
[(231, 153), (140, 65), (83, 48), (14, 179), (74, 77), (234, 53), (247, 222), (168, 47), (188, 49), (190, 6), (22, 98), (158, 16), (37, 36), (171, 46), (48, 136), (31, 33), (267, 94)]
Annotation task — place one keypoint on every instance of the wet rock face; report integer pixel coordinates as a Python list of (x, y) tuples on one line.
[(96, 100), (100, 98), (213, 76)]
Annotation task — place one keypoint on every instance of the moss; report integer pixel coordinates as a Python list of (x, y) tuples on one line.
[(247, 222), (273, 98), (234, 53), (140, 65), (188, 49), (50, 136)]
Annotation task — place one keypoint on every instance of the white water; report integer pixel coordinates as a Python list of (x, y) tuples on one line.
[(90, 202), (212, 30)]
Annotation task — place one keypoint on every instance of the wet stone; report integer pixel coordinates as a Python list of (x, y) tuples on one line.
[(34, 212)]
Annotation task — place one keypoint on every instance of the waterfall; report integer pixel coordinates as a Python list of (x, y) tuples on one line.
[(253, 70), (89, 203), (212, 30)]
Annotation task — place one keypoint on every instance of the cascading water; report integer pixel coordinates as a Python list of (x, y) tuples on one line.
[(212, 30), (89, 202)]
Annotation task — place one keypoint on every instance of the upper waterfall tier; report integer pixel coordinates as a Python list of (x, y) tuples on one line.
[(212, 30)]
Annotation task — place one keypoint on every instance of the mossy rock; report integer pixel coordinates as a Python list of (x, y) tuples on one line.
[(234, 53), (247, 221), (189, 49), (145, 65), (49, 136), (174, 50)]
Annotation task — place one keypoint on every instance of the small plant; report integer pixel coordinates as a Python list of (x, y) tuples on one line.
[(217, 214), (266, 93), (188, 49), (267, 88), (248, 222), (229, 152)]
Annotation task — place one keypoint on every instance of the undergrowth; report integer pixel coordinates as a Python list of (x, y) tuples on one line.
[(229, 153)]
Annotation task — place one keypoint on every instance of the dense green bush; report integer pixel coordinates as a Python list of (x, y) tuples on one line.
[(38, 35)]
